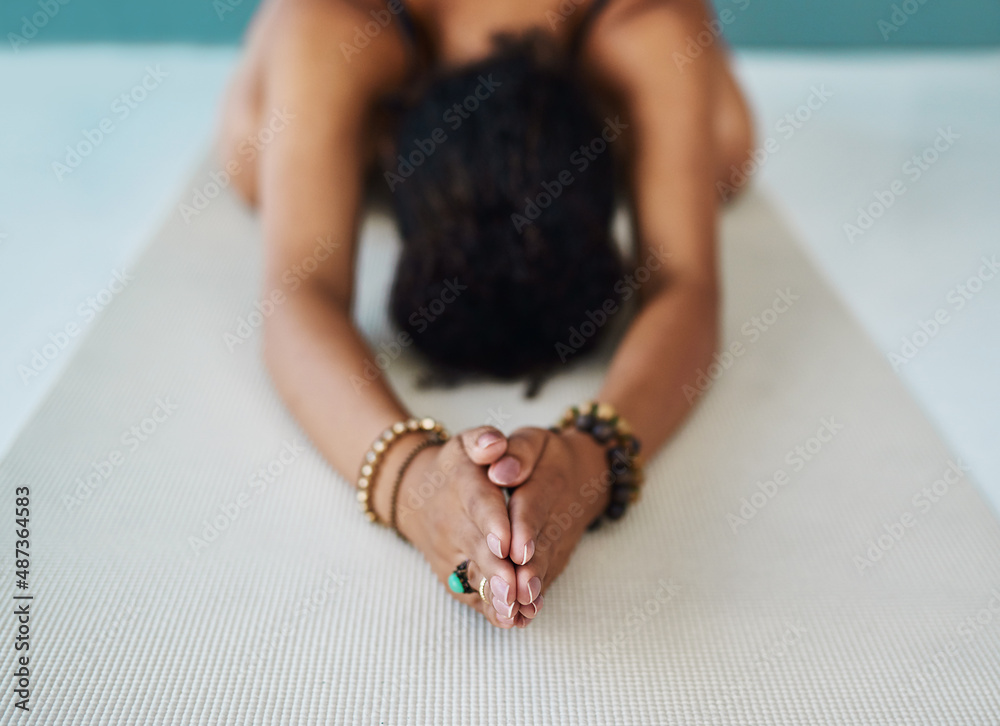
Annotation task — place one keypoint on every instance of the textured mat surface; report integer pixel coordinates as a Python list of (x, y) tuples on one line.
[(807, 551)]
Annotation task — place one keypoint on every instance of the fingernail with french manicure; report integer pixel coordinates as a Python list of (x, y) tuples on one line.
[(488, 439), (529, 550), (500, 588), (503, 609), (493, 542), (534, 588)]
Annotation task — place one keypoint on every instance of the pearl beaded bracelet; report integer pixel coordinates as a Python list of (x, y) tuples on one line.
[(374, 456)]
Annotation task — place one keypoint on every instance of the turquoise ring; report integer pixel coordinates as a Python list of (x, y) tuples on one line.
[(458, 581)]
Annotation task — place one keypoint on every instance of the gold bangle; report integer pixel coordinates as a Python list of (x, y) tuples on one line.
[(376, 453)]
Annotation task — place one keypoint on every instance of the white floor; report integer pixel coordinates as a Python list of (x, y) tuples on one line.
[(64, 234)]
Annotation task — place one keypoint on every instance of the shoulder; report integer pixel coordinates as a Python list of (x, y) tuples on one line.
[(632, 42), (352, 45)]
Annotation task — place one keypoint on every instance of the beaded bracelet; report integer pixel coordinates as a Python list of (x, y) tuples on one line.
[(374, 455), (605, 426)]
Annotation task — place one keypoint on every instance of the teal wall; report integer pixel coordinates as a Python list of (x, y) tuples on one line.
[(783, 23)]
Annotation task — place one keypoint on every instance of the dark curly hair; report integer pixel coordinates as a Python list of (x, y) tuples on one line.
[(505, 222)]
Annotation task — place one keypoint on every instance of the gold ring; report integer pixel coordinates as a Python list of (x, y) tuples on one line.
[(482, 590)]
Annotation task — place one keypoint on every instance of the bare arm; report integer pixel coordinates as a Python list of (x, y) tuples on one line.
[(671, 179), (310, 189), (675, 207)]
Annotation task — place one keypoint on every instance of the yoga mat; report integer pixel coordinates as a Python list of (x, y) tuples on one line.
[(806, 551)]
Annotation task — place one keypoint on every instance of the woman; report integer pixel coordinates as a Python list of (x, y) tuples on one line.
[(500, 129)]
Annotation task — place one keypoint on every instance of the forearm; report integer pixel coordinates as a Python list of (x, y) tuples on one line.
[(317, 360), (674, 335), (676, 208)]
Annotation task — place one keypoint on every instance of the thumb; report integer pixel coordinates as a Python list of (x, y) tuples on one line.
[(483, 444), (524, 449)]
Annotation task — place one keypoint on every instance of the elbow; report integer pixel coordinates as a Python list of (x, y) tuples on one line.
[(701, 293), (297, 312), (708, 303), (706, 291), (698, 299)]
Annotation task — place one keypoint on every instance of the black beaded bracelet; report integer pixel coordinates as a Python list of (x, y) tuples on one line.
[(606, 427)]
